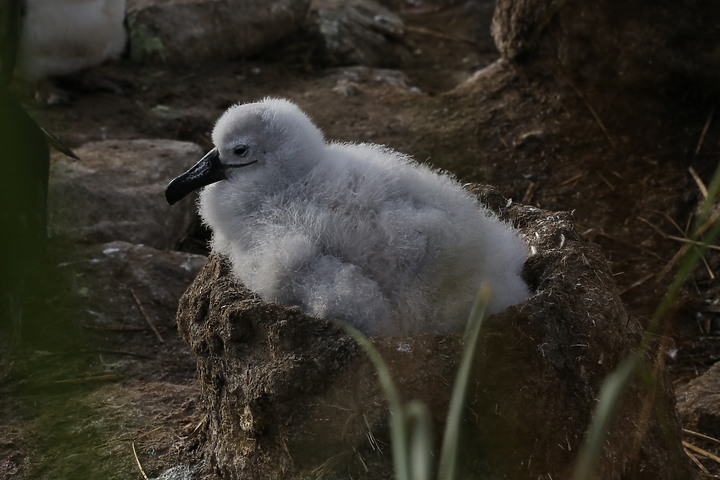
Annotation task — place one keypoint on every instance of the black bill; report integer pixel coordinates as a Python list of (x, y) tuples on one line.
[(208, 170)]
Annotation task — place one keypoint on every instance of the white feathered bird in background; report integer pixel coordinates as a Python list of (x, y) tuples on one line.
[(354, 232), (59, 37)]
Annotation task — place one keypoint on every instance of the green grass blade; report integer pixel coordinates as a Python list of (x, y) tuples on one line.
[(451, 437), (419, 425), (712, 196), (398, 432), (610, 393)]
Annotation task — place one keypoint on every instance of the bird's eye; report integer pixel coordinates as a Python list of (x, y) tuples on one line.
[(240, 150)]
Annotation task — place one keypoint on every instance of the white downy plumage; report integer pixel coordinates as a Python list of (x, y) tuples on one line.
[(354, 232), (59, 37)]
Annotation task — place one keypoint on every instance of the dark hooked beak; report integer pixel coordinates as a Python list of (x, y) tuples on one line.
[(208, 170)]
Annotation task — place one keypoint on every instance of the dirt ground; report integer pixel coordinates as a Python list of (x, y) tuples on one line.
[(540, 141)]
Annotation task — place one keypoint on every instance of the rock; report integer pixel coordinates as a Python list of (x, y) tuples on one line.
[(291, 396), (349, 81), (615, 44), (359, 32), (180, 472), (699, 403), (113, 296), (119, 281), (116, 192), (189, 32)]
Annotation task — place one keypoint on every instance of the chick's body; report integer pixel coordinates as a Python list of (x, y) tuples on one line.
[(355, 232)]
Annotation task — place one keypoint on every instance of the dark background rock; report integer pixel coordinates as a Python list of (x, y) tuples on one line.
[(110, 287), (358, 32), (628, 44), (699, 403), (197, 31), (289, 395), (624, 58), (122, 282), (116, 192)]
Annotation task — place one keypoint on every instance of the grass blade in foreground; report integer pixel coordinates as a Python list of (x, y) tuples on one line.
[(420, 439), (398, 432), (451, 437), (610, 393)]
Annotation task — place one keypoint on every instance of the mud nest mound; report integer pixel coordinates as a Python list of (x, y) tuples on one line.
[(290, 396)]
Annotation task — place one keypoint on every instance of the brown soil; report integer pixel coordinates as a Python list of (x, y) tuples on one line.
[(537, 139)]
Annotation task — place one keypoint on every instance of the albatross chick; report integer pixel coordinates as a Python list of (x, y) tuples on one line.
[(348, 231)]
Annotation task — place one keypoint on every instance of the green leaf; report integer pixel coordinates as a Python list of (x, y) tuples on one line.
[(451, 437)]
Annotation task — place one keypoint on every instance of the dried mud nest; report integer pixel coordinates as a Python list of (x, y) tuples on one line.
[(289, 396)]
